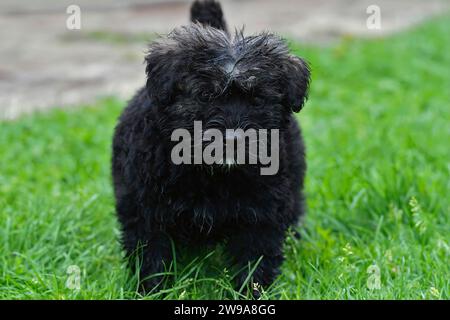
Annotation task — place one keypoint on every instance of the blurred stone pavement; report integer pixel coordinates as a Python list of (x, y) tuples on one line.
[(43, 64)]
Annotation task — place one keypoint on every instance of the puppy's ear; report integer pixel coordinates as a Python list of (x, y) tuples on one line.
[(163, 70), (297, 75)]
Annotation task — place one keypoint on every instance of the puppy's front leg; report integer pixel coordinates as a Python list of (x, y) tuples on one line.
[(252, 243), (156, 257), (146, 249)]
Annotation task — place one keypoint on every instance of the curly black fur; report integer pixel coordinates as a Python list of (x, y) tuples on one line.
[(201, 73)]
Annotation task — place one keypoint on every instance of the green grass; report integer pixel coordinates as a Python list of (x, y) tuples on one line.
[(377, 131)]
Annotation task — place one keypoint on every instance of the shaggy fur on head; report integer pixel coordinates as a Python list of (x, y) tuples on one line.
[(201, 73)]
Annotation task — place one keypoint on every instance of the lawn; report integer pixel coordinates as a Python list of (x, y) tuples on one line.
[(378, 224)]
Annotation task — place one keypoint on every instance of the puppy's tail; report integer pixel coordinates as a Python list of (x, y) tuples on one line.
[(208, 12)]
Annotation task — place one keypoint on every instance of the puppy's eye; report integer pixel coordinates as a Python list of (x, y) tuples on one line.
[(207, 95), (204, 97), (180, 87)]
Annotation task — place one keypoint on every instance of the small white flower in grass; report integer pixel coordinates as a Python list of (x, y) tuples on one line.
[(226, 273), (435, 292), (256, 286), (416, 211), (348, 249)]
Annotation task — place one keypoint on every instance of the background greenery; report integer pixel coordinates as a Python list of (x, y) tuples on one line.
[(377, 132)]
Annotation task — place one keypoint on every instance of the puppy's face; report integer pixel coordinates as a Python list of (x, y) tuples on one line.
[(202, 74)]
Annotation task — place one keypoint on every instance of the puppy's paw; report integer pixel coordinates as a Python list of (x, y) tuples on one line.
[(152, 284)]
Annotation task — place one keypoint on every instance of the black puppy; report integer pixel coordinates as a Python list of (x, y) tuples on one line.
[(200, 73)]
